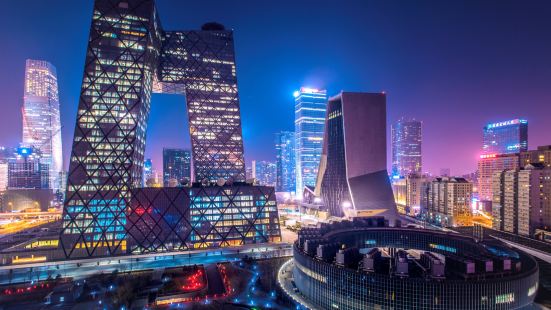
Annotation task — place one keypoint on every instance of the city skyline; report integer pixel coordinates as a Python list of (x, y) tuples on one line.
[(432, 92), (286, 155)]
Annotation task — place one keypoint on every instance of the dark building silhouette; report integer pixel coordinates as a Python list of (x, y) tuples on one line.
[(353, 166), (129, 57)]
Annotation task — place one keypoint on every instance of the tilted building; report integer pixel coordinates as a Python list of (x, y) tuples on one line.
[(354, 178), (129, 57)]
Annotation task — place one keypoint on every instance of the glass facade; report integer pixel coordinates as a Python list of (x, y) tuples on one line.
[(406, 147), (265, 172), (169, 219), (310, 107), (176, 166), (27, 171), (285, 161), (329, 286), (129, 56), (41, 118), (506, 137)]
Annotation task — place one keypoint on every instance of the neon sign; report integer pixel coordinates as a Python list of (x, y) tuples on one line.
[(507, 123)]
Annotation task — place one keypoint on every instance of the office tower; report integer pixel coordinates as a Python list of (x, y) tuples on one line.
[(147, 170), (26, 170), (487, 166), (310, 106), (129, 56), (406, 147), (522, 199), (265, 172), (176, 166), (506, 137), (249, 172), (41, 119), (285, 161), (541, 155), (448, 199), (353, 163)]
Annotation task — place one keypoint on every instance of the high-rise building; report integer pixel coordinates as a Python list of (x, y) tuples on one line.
[(542, 155), (265, 172), (490, 164), (353, 171), (129, 57), (448, 198), (310, 106), (176, 166), (26, 170), (41, 118), (285, 162), (522, 199), (147, 170), (506, 137), (406, 147)]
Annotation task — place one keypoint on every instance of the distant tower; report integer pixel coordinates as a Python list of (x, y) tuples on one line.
[(147, 170), (265, 172), (506, 137), (41, 120), (176, 165), (310, 106), (285, 162), (406, 147)]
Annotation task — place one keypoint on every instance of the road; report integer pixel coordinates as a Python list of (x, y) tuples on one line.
[(83, 268)]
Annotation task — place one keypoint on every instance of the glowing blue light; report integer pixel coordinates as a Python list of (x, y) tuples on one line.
[(24, 151), (296, 94)]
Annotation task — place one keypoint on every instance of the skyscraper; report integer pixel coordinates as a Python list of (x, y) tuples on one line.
[(406, 147), (353, 169), (27, 171), (506, 137), (41, 119), (285, 161), (130, 56), (147, 170), (310, 106), (265, 172), (488, 165), (176, 166)]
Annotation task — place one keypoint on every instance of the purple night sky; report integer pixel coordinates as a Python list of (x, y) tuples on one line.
[(455, 65)]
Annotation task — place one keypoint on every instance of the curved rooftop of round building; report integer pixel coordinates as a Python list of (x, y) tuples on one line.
[(365, 263)]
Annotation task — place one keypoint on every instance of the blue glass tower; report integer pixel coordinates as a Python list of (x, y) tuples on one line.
[(310, 107), (506, 137), (285, 161)]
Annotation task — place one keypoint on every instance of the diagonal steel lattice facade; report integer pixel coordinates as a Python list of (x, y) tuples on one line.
[(180, 218), (128, 58)]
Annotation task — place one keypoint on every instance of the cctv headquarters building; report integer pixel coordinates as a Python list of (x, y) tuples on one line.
[(106, 212)]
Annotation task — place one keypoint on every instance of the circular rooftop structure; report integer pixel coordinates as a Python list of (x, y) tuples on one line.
[(365, 264)]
